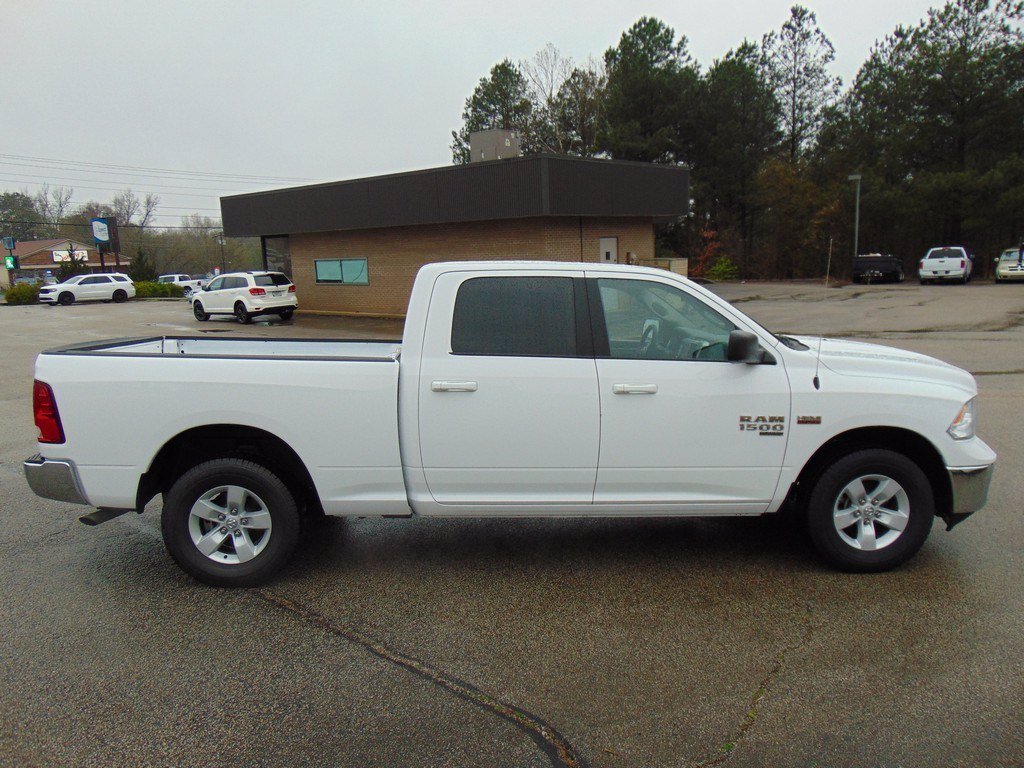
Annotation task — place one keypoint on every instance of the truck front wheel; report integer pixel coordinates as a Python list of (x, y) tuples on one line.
[(870, 511), (230, 523)]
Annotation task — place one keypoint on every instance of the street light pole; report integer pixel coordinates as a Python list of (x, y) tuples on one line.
[(856, 214)]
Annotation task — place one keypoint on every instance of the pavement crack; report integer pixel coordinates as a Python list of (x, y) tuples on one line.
[(551, 742), (762, 691)]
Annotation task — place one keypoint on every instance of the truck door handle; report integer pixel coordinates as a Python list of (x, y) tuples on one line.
[(453, 386), (634, 389)]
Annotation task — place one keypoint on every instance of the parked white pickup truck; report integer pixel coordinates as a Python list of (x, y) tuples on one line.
[(519, 389)]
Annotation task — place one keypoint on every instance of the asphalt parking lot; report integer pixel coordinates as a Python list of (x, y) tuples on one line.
[(519, 642)]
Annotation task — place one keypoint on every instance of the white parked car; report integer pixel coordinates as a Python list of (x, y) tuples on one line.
[(520, 389), (947, 263), (246, 295), (188, 283), (110, 286)]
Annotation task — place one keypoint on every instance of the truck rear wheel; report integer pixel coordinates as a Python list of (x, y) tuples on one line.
[(230, 523), (870, 511)]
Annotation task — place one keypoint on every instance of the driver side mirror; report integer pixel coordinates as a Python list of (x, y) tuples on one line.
[(744, 348)]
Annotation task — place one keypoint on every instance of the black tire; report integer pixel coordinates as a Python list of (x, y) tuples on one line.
[(241, 314), (828, 492), (66, 299), (119, 296), (257, 480), (286, 314), (201, 315)]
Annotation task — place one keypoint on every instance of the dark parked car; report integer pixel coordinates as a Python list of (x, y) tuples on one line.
[(875, 267)]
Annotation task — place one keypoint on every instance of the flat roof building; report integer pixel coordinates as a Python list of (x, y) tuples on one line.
[(355, 246)]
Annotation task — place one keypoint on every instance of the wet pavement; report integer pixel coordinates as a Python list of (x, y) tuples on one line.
[(523, 642)]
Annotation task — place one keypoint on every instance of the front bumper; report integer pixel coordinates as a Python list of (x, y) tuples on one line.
[(54, 479), (47, 298), (970, 487)]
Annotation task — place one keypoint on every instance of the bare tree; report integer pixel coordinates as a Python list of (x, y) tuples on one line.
[(126, 206), (149, 204), (53, 204), (545, 74)]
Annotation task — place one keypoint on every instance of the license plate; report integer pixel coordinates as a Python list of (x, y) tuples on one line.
[(277, 293)]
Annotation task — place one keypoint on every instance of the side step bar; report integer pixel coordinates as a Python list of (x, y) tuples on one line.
[(101, 515)]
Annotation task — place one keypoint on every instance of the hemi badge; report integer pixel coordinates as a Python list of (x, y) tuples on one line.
[(808, 419)]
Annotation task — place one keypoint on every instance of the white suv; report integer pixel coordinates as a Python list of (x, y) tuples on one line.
[(246, 295), (110, 286)]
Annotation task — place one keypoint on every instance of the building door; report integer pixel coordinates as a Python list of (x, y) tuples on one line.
[(609, 250)]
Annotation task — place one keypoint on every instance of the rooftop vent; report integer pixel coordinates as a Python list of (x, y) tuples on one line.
[(493, 144)]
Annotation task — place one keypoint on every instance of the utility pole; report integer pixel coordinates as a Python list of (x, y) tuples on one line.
[(856, 213)]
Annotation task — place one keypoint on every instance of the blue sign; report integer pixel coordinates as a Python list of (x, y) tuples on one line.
[(8, 243), (100, 231)]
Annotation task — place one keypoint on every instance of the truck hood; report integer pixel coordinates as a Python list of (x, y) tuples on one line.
[(857, 358)]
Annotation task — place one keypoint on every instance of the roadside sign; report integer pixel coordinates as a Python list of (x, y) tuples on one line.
[(10, 262), (8, 243), (100, 231)]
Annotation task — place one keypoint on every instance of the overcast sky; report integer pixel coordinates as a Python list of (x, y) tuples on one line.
[(306, 89)]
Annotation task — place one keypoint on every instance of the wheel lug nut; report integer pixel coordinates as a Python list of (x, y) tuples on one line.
[(245, 521), (220, 515), (238, 534), (223, 530)]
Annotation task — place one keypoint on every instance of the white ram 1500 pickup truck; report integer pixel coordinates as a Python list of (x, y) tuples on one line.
[(519, 389)]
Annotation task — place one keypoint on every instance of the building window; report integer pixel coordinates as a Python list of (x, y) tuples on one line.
[(342, 271), (515, 316), (277, 254)]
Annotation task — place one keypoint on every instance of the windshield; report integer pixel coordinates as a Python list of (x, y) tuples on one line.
[(1009, 255), (165, 279), (945, 253)]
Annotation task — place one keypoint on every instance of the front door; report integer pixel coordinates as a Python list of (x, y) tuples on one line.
[(508, 403), (680, 426)]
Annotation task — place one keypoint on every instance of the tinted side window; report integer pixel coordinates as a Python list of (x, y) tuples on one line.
[(528, 316), (121, 278), (217, 284)]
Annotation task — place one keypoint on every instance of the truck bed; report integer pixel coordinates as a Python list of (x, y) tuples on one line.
[(334, 402), (249, 348)]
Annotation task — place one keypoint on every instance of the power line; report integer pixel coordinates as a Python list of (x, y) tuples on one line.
[(112, 189), (161, 170), (214, 225), (125, 173)]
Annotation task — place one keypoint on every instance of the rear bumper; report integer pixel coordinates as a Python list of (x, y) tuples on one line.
[(970, 487), (54, 479)]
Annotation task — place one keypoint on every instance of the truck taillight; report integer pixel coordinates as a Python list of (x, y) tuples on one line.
[(962, 264), (921, 265), (291, 288), (257, 292), (44, 407)]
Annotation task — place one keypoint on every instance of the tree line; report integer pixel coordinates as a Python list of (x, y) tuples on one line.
[(933, 122), (195, 246)]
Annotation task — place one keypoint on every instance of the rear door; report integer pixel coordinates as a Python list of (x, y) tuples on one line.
[(95, 287), (682, 429), (508, 404)]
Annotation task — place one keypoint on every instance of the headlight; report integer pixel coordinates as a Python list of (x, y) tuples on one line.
[(962, 427)]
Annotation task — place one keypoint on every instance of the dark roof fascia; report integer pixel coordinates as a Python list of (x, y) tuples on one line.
[(514, 188)]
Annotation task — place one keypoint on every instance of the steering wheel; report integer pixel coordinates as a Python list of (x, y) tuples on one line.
[(648, 342), (699, 353)]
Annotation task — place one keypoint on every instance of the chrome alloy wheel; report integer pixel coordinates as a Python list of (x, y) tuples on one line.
[(230, 524), (871, 512)]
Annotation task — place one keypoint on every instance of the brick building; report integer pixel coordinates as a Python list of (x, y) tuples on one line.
[(37, 257), (354, 247)]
